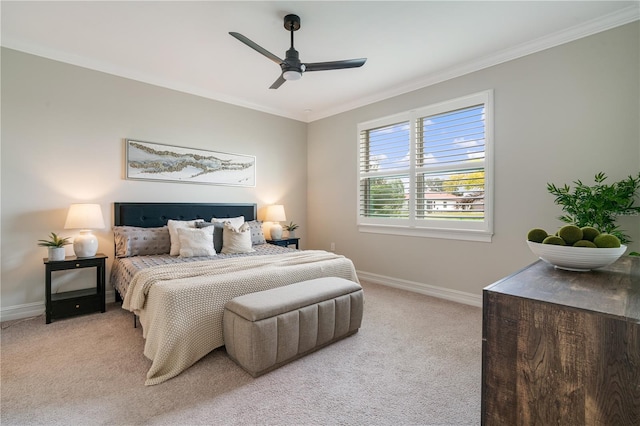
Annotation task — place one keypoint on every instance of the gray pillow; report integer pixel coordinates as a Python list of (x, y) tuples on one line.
[(217, 233), (135, 241)]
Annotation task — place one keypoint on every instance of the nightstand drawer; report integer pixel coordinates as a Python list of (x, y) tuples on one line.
[(63, 306), (285, 242), (76, 263)]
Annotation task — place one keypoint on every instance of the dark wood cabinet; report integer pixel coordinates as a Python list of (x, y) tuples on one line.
[(562, 348), (76, 302)]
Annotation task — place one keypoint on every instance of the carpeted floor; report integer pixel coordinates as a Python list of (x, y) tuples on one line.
[(416, 360)]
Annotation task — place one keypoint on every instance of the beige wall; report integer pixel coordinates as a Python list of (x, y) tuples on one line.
[(62, 142), (560, 115)]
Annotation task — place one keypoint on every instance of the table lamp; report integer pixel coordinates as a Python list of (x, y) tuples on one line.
[(275, 214), (85, 217)]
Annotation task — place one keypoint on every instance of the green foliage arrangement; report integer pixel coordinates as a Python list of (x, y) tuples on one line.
[(386, 198), (54, 241), (291, 227), (598, 205)]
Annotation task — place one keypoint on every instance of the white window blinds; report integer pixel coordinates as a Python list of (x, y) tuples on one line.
[(450, 152), (384, 166), (428, 169)]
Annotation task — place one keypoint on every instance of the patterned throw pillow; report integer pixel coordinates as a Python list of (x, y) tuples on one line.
[(136, 241), (257, 234)]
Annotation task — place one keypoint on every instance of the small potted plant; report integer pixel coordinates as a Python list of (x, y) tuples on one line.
[(55, 246), (291, 230)]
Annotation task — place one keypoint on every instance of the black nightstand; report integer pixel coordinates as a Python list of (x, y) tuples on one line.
[(76, 302), (285, 242)]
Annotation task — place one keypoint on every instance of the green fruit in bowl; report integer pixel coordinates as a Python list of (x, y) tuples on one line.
[(585, 243), (589, 233), (537, 235), (606, 241), (570, 234), (555, 240)]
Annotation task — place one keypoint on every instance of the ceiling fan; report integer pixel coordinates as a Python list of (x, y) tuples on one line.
[(291, 66)]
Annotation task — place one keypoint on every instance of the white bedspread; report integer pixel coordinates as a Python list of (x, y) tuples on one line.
[(181, 306)]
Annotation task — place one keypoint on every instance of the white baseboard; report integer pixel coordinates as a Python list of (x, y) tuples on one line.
[(26, 310), (429, 290), (34, 309)]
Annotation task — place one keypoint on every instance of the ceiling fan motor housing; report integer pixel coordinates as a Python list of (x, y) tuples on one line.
[(292, 61)]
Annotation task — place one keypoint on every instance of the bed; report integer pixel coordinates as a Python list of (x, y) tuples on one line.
[(179, 300)]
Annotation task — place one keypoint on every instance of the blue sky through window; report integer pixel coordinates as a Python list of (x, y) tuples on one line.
[(449, 138)]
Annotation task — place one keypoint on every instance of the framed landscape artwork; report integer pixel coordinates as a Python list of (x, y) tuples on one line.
[(154, 161)]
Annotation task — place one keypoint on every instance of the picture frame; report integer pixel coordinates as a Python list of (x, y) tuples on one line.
[(151, 161)]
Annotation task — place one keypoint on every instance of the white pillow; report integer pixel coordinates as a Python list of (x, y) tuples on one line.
[(236, 240), (174, 225), (196, 242), (236, 222)]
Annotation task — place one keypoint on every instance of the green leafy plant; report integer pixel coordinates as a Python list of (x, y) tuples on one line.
[(291, 227), (598, 205), (54, 241)]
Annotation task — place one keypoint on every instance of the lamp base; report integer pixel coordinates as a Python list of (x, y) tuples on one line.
[(276, 231), (85, 244)]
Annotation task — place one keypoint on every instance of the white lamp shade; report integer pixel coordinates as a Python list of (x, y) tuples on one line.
[(85, 217), (275, 213)]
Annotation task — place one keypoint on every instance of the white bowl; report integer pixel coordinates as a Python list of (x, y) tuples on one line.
[(576, 258)]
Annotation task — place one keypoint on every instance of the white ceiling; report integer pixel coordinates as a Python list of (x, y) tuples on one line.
[(186, 46)]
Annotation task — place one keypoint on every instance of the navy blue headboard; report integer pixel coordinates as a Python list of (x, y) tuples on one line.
[(148, 215)]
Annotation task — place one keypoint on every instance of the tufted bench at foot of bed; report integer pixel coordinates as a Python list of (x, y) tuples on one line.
[(267, 329)]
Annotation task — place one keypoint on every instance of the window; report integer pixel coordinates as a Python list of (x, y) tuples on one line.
[(428, 172)]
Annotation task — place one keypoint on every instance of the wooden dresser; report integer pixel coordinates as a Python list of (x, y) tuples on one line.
[(561, 347)]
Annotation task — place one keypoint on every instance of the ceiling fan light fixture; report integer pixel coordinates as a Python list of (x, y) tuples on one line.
[(292, 75)]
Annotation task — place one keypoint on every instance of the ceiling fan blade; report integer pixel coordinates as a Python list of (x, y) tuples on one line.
[(278, 82), (335, 65), (256, 47)]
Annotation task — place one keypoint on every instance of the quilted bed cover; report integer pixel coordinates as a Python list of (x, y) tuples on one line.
[(181, 306)]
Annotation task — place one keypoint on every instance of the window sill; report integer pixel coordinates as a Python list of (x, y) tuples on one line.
[(448, 234)]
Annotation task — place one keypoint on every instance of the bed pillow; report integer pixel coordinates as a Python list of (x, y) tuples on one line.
[(218, 228), (236, 222), (257, 234), (174, 225), (136, 241), (196, 242), (236, 240)]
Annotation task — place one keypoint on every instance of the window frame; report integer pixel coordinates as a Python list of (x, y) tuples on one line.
[(432, 228)]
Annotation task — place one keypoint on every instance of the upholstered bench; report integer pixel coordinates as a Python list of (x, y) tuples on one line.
[(267, 329)]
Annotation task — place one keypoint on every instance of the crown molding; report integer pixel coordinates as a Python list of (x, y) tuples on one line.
[(604, 23)]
